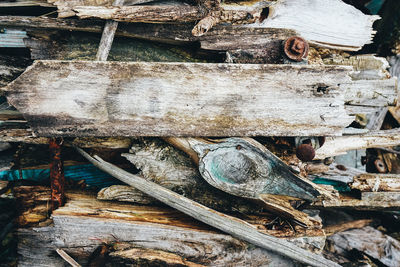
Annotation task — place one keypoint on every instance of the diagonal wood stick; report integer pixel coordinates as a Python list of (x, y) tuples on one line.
[(108, 36), (231, 225)]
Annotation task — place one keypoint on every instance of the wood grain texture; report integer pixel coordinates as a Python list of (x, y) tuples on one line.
[(65, 6), (84, 222), (369, 201), (384, 249), (67, 98), (228, 224), (169, 167), (149, 14), (340, 145), (317, 21), (372, 92)]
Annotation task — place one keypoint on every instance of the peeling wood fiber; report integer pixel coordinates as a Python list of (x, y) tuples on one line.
[(67, 98)]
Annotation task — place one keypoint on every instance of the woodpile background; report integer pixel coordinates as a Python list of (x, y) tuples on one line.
[(205, 133)]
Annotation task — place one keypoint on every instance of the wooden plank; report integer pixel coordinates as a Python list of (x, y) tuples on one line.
[(339, 145), (64, 98), (369, 201), (107, 37), (65, 6)]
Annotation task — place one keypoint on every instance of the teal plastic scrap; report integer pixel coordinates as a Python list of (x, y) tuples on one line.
[(11, 38), (339, 186), (92, 176)]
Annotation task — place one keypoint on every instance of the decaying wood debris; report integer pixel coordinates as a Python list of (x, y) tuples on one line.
[(245, 133)]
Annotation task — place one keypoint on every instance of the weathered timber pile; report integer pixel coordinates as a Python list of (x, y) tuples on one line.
[(199, 133)]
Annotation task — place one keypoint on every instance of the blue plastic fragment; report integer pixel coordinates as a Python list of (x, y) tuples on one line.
[(339, 186), (92, 176)]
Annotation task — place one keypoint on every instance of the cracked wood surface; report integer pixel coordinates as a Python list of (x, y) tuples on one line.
[(64, 98), (84, 222), (228, 224)]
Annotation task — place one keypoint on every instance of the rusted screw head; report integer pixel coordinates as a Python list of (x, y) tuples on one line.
[(380, 166), (305, 152), (296, 48)]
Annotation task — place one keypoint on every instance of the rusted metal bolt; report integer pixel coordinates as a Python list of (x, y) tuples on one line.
[(305, 152), (380, 166), (296, 48)]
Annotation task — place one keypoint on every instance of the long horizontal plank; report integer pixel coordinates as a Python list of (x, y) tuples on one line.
[(66, 98)]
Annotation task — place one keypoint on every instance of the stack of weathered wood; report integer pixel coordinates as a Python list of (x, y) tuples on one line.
[(284, 88)]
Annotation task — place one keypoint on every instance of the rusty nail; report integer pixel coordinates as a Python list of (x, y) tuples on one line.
[(305, 152), (57, 180), (380, 166), (296, 48)]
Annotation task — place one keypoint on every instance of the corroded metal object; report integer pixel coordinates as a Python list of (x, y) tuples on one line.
[(296, 48), (57, 180), (305, 152), (243, 168), (306, 146)]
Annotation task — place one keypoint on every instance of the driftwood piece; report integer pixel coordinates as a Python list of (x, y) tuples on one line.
[(149, 14), (94, 98), (107, 37), (83, 223), (65, 6), (25, 136), (317, 21), (371, 201), (167, 166), (369, 241), (339, 145), (211, 217), (371, 182), (245, 168)]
